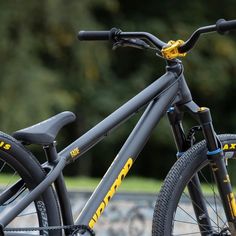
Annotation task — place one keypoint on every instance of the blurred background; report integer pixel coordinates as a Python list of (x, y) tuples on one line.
[(45, 70)]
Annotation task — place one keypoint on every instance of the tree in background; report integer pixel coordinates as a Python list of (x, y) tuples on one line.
[(45, 70)]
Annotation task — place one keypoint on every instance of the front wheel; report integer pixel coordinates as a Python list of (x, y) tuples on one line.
[(174, 210)]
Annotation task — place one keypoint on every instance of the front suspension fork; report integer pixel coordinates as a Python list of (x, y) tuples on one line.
[(194, 187), (218, 166), (215, 155)]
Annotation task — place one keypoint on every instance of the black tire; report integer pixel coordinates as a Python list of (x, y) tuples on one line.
[(173, 213), (24, 166)]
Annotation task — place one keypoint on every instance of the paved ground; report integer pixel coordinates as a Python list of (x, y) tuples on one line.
[(127, 214), (131, 215)]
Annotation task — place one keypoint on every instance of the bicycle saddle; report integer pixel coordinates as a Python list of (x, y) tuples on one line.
[(46, 131)]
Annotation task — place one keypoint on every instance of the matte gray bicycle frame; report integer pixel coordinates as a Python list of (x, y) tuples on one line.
[(166, 91)]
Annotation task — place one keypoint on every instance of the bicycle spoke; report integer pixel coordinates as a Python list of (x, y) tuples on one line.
[(218, 222), (13, 189), (186, 195), (10, 192), (191, 233), (187, 213), (15, 197), (215, 197), (193, 223), (27, 214), (188, 222), (209, 184), (210, 205)]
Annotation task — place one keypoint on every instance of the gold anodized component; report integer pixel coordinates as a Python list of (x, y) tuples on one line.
[(171, 50), (202, 108)]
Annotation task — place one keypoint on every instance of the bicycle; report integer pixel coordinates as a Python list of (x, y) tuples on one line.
[(33, 181)]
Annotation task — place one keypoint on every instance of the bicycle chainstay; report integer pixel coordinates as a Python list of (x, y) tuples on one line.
[(74, 229)]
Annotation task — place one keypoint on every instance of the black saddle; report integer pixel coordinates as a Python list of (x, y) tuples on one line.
[(46, 131)]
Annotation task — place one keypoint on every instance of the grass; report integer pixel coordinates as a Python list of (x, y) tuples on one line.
[(6, 178), (129, 184)]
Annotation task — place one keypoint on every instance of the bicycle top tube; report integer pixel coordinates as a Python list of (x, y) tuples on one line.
[(144, 40), (155, 90)]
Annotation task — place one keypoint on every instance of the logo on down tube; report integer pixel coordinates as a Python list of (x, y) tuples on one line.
[(111, 192)]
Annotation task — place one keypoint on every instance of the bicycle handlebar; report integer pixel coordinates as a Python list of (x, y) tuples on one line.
[(115, 35), (94, 35), (223, 26)]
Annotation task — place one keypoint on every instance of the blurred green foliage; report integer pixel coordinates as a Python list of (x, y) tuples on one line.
[(45, 70)]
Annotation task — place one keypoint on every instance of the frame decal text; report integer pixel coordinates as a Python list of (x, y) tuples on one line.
[(4, 145), (111, 192)]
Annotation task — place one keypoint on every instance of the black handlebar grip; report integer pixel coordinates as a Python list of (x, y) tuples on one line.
[(222, 26), (93, 35)]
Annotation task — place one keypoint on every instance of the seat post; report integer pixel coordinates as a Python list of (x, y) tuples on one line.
[(51, 152), (62, 193)]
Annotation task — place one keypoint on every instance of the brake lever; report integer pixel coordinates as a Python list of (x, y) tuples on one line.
[(135, 43)]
